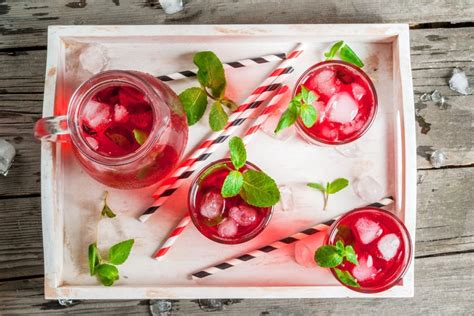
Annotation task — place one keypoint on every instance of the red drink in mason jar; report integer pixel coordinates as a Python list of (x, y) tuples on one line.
[(382, 244), (347, 102), (224, 220)]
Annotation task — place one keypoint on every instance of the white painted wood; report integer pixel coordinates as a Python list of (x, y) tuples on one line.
[(71, 200)]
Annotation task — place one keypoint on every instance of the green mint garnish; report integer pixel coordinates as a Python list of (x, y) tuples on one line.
[(255, 187), (331, 188), (140, 136), (217, 117), (106, 270), (329, 256), (106, 210), (346, 277), (301, 105), (211, 77), (345, 53)]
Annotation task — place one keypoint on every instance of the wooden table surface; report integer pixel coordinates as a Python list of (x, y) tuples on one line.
[(442, 37)]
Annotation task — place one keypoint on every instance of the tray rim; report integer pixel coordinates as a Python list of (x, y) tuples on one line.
[(397, 34)]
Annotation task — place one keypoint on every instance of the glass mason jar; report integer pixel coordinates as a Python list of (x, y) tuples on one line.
[(153, 160), (336, 83), (210, 179), (382, 244)]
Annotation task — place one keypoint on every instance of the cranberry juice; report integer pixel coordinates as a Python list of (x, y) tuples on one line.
[(116, 121), (382, 245), (346, 103), (225, 220)]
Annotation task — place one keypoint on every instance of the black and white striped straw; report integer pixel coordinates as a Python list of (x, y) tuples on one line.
[(276, 245), (231, 65)]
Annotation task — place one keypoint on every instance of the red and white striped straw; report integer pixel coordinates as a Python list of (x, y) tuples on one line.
[(272, 105), (208, 146)]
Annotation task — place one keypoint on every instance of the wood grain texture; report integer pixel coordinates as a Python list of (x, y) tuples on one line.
[(443, 285), (24, 23), (445, 223)]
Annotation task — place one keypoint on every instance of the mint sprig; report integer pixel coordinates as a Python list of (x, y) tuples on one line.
[(301, 105), (330, 188), (331, 256), (105, 269), (345, 53), (255, 187), (211, 77)]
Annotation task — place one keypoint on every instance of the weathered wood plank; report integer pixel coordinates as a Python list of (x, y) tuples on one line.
[(445, 222), (443, 285), (24, 23)]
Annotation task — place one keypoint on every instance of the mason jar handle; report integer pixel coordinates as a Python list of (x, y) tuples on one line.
[(48, 128)]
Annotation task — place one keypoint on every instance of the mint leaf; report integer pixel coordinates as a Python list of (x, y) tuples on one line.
[(106, 210), (93, 258), (217, 117), (334, 49), (350, 255), (232, 184), (140, 136), (308, 96), (340, 247), (337, 185), (346, 278), (259, 189), (288, 117), (347, 54), (238, 154), (118, 253), (194, 101), (211, 72), (107, 274), (308, 115), (317, 186), (328, 257)]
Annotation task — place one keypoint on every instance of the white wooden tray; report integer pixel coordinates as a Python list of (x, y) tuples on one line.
[(71, 200)]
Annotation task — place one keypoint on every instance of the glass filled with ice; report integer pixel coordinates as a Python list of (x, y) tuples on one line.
[(224, 220), (347, 102), (128, 129), (382, 244)]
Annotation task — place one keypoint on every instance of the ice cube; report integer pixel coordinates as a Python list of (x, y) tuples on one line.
[(459, 82), (437, 158), (92, 142), (367, 230), (365, 270), (7, 153), (243, 214), (94, 58), (358, 91), (96, 115), (342, 108), (227, 228), (349, 150), (329, 133), (212, 205), (171, 6), (388, 246), (120, 113), (368, 189), (324, 82), (287, 202)]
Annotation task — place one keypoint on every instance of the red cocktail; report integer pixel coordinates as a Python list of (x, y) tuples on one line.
[(128, 128), (382, 244), (224, 220), (347, 102)]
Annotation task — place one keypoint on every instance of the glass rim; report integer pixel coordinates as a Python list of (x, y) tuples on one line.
[(408, 254), (92, 85), (362, 131), (192, 205)]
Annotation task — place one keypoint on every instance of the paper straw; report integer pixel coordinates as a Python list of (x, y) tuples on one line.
[(272, 105), (208, 146), (275, 245), (231, 65)]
